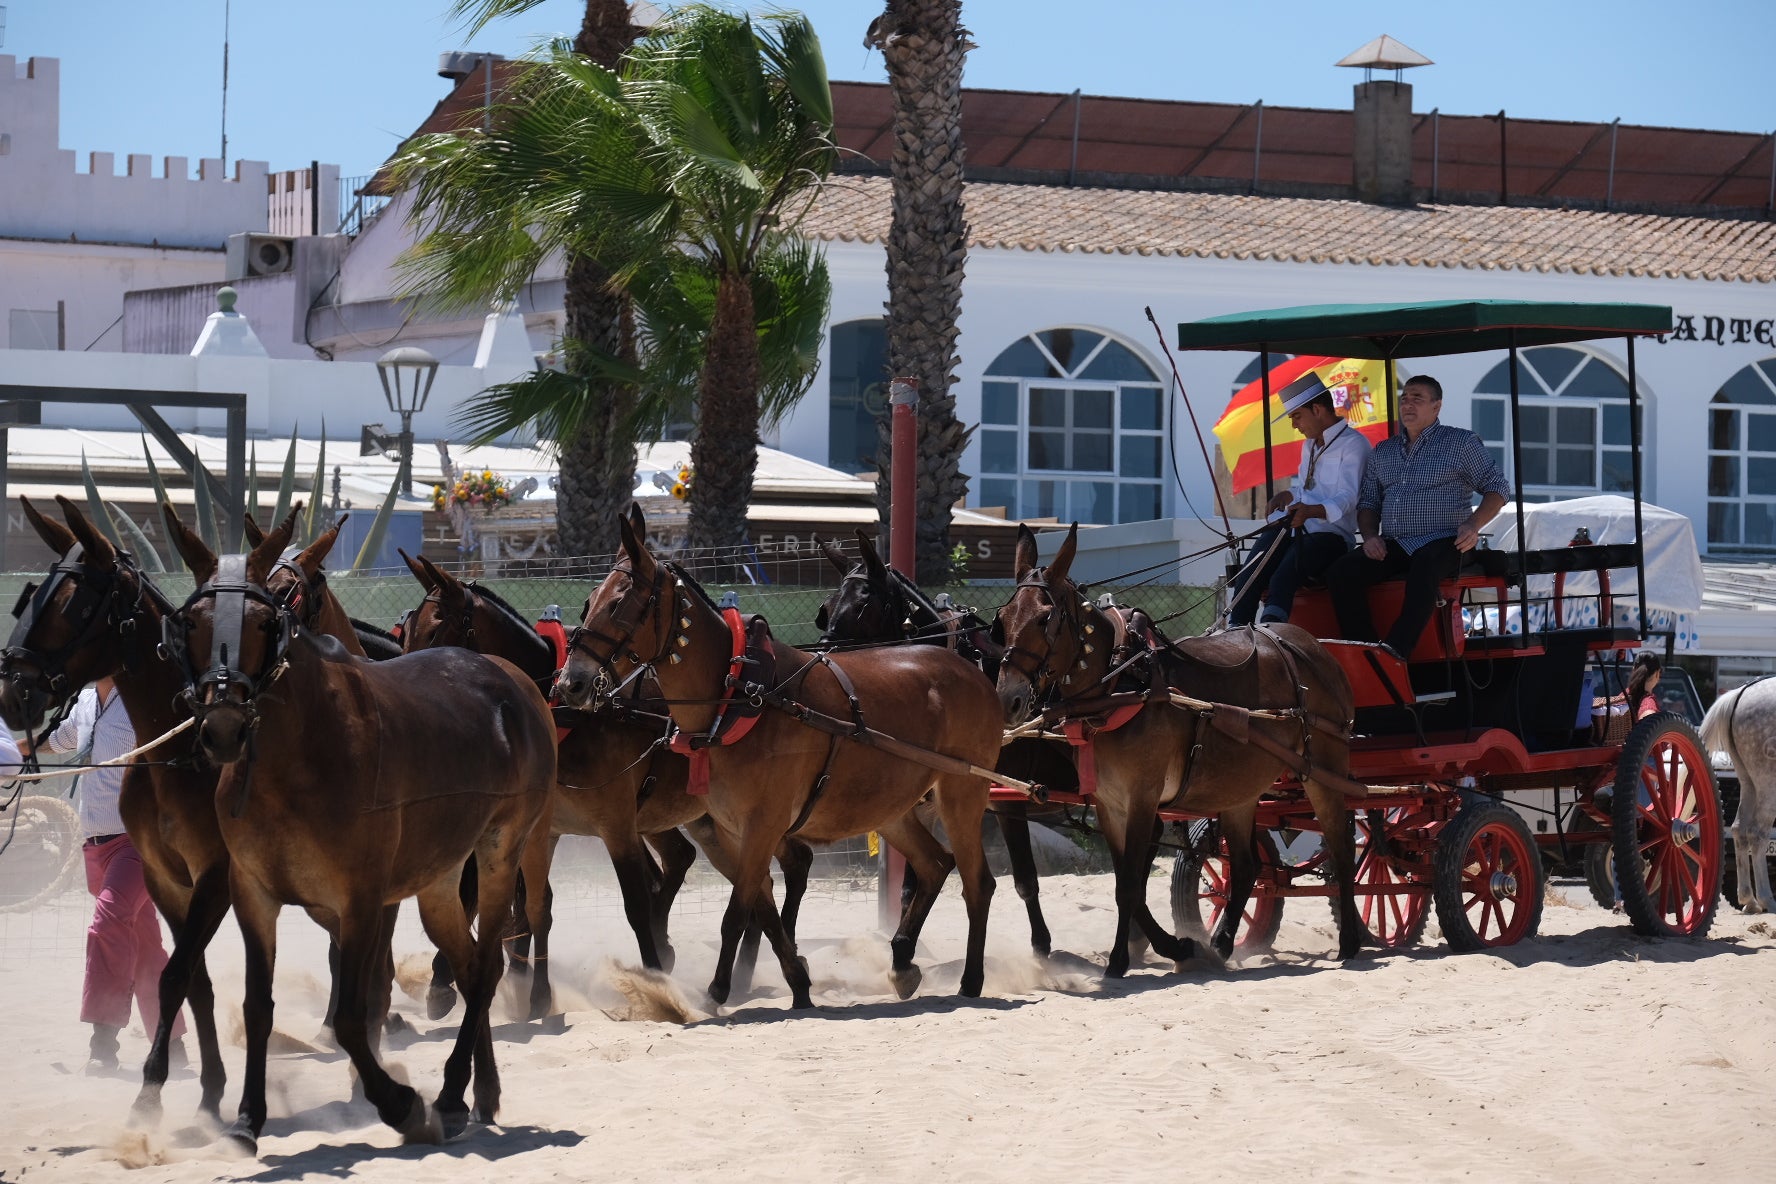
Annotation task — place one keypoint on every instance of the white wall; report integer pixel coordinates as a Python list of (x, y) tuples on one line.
[(90, 281), (44, 196), (1008, 294)]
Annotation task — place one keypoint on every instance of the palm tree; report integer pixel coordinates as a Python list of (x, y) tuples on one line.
[(923, 43), (697, 158), (596, 446)]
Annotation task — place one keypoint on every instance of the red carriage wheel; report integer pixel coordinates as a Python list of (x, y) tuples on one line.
[(1487, 878), (1199, 896), (1666, 829), (1394, 920)]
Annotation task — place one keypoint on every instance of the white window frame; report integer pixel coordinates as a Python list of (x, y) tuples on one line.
[(1118, 434), (1742, 457), (1555, 399)]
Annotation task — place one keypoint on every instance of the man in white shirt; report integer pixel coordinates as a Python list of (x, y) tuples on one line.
[(124, 951), (1316, 516)]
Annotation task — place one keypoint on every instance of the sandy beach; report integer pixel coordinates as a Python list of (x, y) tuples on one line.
[(1584, 1054)]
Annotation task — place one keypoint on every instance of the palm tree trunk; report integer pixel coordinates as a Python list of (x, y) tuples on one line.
[(724, 451), (597, 473), (923, 44)]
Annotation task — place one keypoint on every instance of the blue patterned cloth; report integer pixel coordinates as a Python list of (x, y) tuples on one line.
[(1426, 490)]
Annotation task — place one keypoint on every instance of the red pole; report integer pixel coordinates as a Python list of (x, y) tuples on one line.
[(903, 545), (903, 541)]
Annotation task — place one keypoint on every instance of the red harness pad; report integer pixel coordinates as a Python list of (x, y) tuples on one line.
[(555, 634), (1082, 735), (736, 727)]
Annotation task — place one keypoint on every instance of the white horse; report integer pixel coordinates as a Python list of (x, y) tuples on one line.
[(1742, 724)]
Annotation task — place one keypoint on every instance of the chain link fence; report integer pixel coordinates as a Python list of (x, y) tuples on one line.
[(585, 885)]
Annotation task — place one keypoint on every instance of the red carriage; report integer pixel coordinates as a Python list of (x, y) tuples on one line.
[(1490, 717)]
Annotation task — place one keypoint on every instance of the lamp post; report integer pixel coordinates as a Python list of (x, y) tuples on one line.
[(407, 375)]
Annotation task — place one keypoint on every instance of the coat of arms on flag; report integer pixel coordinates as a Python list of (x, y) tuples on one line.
[(1359, 392)]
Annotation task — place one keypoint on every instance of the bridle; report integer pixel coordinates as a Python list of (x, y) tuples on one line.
[(223, 682), (1037, 668), (95, 607), (464, 622), (897, 607), (609, 683)]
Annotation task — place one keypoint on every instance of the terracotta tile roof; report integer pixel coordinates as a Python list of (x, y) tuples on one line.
[(1316, 230)]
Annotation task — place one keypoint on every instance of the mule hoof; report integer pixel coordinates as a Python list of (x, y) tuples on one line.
[(241, 1140), (542, 1006), (422, 1125), (450, 1123), (395, 1023), (906, 980), (439, 1002), (718, 993), (146, 1111), (1042, 948), (668, 957), (971, 985), (802, 1001)]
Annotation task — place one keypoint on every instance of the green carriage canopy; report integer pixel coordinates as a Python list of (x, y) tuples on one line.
[(1422, 330)]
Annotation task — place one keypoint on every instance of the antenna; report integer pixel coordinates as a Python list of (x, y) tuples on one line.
[(2, 24), (227, 5)]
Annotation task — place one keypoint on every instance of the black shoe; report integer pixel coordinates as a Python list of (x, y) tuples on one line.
[(102, 1052)]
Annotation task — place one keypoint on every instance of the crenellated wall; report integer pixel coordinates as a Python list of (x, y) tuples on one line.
[(43, 195)]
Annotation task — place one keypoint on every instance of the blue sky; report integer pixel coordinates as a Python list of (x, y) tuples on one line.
[(343, 81)]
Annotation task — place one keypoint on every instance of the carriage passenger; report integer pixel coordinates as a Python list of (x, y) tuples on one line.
[(1417, 516), (1316, 517)]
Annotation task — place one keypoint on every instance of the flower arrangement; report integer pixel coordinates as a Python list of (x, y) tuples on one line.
[(681, 488), (486, 490)]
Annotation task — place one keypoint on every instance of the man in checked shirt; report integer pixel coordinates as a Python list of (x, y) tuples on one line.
[(1416, 513)]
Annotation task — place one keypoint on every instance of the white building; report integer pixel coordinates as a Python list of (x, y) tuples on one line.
[(74, 240)]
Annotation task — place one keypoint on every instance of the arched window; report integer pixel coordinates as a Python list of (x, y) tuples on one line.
[(857, 393), (1742, 460), (1575, 423), (1073, 428)]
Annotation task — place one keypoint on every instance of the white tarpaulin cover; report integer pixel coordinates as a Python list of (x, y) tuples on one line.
[(1673, 565)]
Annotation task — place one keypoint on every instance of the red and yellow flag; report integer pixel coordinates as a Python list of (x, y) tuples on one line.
[(1359, 391)]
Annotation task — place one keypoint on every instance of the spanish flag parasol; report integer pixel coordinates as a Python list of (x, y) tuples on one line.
[(1359, 391)]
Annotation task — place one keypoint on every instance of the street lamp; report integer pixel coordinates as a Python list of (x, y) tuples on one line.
[(407, 375)]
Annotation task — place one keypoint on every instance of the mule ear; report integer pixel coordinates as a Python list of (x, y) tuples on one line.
[(1024, 559), (1057, 567), (872, 558), (99, 553), (315, 553), (821, 617), (264, 555), (420, 570), (55, 536), (834, 556), (191, 548), (440, 580), (637, 522), (634, 529), (251, 528)]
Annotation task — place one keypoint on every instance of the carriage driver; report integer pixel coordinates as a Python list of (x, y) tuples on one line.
[(1316, 516), (1416, 514)]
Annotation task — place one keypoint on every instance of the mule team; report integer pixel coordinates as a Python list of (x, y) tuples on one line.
[(344, 786)]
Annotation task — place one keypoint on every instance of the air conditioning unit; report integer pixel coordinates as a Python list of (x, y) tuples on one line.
[(259, 254)]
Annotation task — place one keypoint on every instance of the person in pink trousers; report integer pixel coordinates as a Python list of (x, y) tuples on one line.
[(124, 949)]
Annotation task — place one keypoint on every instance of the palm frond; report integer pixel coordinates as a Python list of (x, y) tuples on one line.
[(203, 506), (311, 521), (378, 527)]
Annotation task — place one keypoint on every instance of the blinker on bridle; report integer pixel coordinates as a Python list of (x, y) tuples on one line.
[(230, 589), (91, 610), (1042, 675), (608, 684)]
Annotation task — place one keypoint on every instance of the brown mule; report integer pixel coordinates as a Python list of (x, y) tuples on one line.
[(1058, 648), (786, 776), (100, 616), (614, 779), (348, 786)]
